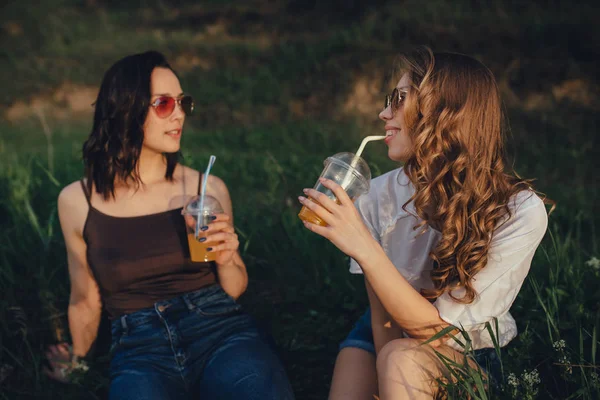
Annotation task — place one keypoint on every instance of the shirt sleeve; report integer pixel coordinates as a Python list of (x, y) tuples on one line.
[(509, 259), (367, 208)]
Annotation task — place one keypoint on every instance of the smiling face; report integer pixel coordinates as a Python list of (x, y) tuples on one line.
[(163, 135), (398, 140)]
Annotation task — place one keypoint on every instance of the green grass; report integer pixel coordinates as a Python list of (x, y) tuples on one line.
[(300, 289)]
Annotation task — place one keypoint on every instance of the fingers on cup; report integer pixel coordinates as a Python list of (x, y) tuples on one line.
[(318, 229), (216, 237), (225, 240), (320, 210), (229, 245), (219, 226), (339, 192), (220, 217), (327, 203)]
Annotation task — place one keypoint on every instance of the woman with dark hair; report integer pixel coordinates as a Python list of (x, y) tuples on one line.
[(177, 331), (446, 240)]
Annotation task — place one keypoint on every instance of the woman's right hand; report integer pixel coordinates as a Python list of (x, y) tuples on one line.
[(59, 357)]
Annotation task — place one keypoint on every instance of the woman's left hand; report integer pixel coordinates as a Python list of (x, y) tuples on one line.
[(220, 237), (59, 358), (346, 229)]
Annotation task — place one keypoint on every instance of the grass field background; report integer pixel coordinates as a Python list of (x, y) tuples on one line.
[(279, 86)]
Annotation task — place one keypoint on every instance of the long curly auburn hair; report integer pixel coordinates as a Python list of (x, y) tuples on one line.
[(455, 120)]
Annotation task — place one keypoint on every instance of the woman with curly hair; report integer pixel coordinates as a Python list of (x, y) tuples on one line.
[(446, 240), (177, 330)]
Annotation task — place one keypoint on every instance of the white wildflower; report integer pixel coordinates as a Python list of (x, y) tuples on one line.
[(513, 383), (530, 381), (531, 378), (513, 380), (566, 363), (559, 345), (593, 262)]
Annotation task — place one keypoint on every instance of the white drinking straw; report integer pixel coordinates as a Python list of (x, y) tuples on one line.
[(356, 157)]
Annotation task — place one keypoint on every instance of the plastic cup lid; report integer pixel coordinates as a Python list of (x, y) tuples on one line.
[(360, 170), (211, 206)]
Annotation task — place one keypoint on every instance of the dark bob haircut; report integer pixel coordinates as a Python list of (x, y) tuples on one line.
[(113, 148)]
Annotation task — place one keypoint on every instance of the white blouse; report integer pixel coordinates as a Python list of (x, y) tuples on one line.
[(497, 284)]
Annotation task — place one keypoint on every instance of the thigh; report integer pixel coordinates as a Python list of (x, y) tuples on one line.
[(354, 375), (142, 365), (408, 369), (142, 383), (243, 367)]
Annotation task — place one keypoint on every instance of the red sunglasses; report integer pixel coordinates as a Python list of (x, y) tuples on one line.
[(165, 105)]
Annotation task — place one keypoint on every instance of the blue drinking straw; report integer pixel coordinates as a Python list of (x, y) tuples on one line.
[(211, 161)]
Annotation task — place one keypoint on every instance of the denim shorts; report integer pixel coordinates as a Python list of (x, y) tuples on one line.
[(361, 336), (198, 345)]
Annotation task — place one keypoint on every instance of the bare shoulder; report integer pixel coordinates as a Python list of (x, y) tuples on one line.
[(217, 188), (72, 195), (218, 185), (214, 184), (188, 178), (72, 206)]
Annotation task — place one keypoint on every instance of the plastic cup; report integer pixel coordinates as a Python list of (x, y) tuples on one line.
[(353, 174), (196, 218)]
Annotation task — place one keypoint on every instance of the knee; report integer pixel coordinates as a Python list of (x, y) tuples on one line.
[(398, 355)]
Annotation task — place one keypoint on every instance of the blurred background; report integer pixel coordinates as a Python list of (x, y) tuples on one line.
[(279, 86)]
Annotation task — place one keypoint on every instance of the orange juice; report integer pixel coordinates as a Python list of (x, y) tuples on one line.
[(308, 215), (198, 251)]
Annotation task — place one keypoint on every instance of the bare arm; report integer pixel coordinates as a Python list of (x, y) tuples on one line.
[(413, 313), (385, 329), (84, 302), (407, 307), (232, 274)]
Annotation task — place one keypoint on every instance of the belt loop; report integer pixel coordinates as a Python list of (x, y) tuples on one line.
[(188, 302), (124, 323)]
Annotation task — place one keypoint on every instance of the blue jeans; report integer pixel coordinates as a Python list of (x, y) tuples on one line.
[(361, 336), (200, 345)]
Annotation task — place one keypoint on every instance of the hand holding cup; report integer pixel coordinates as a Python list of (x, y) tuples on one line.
[(344, 226), (216, 241), (211, 236), (348, 171)]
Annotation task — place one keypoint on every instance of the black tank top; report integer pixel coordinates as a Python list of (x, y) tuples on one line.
[(138, 261)]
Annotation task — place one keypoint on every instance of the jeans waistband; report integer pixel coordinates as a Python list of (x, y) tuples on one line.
[(187, 301)]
